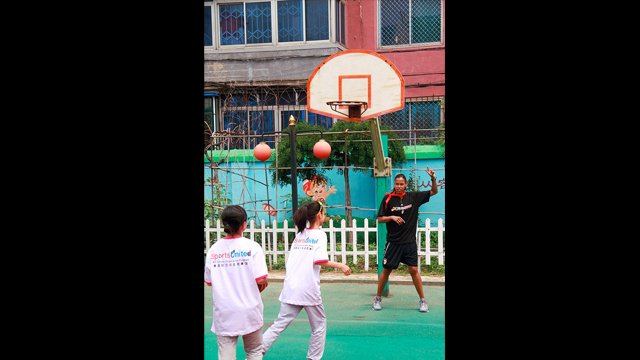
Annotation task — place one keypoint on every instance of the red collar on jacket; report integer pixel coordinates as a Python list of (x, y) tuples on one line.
[(392, 195)]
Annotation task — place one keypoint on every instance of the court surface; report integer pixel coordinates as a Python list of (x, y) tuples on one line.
[(354, 330)]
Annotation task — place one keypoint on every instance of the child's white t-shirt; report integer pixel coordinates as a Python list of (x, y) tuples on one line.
[(232, 267), (302, 279)]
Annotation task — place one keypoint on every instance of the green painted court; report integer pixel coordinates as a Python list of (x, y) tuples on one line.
[(354, 330)]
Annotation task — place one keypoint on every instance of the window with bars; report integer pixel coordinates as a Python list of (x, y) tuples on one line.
[(410, 22), (258, 122), (245, 23), (307, 117), (210, 111), (340, 22), (236, 123), (418, 122), (242, 123), (208, 39), (209, 117), (261, 110), (250, 22)]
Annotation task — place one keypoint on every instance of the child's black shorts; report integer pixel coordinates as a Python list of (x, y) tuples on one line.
[(394, 254)]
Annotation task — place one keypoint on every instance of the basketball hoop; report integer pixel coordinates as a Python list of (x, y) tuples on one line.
[(355, 108), (355, 85)]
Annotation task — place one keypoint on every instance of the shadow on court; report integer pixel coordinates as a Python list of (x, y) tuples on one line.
[(354, 330)]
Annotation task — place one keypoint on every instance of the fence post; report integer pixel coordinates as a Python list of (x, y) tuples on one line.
[(440, 242), (285, 234), (343, 241), (252, 234), (332, 241), (207, 235), (366, 244), (354, 235), (218, 230), (264, 240), (427, 259), (275, 241)]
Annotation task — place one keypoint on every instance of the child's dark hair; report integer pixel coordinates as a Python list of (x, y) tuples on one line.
[(232, 217), (306, 212), (400, 176)]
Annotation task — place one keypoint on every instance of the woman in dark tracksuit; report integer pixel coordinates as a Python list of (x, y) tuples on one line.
[(399, 210)]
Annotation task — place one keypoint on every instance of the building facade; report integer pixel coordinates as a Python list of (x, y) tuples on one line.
[(258, 55)]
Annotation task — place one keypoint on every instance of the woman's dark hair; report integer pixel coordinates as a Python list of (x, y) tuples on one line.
[(400, 175), (306, 212), (232, 217)]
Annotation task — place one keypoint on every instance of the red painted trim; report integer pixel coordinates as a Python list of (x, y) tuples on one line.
[(341, 77)]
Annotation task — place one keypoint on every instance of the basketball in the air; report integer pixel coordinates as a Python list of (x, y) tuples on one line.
[(322, 149), (262, 151)]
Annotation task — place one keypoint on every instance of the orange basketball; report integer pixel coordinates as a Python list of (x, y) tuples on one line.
[(262, 151), (322, 149)]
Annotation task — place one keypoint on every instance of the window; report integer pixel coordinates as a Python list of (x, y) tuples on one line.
[(291, 18), (307, 117), (235, 122), (317, 19), (319, 120), (340, 23), (250, 22), (208, 39), (242, 122), (262, 122), (421, 116), (210, 111), (410, 22), (208, 120), (249, 113), (252, 18)]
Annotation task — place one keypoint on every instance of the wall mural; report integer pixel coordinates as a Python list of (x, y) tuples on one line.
[(316, 188)]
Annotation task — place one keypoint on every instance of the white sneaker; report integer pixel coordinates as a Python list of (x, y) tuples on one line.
[(377, 303), (423, 306)]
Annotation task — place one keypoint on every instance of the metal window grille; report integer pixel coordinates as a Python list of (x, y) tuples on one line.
[(340, 23), (410, 22), (258, 23), (317, 19), (297, 20), (210, 117), (419, 122), (289, 20), (232, 24), (249, 112), (208, 38)]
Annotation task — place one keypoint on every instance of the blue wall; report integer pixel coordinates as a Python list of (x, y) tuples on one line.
[(363, 190)]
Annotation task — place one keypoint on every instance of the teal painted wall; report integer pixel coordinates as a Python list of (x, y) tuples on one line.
[(253, 194)]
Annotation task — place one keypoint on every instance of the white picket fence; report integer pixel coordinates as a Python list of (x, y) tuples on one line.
[(275, 242)]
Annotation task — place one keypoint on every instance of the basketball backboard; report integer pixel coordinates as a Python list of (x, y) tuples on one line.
[(355, 85)]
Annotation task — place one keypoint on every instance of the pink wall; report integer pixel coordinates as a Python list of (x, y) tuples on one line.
[(421, 67)]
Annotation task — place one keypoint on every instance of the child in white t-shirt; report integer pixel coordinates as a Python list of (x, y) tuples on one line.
[(236, 270), (301, 289)]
